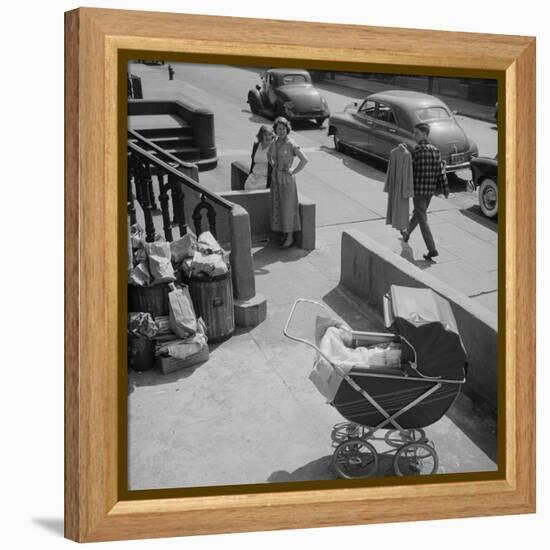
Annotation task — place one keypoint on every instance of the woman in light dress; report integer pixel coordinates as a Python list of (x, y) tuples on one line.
[(259, 168), (285, 216)]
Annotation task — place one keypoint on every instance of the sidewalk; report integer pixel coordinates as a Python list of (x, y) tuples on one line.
[(251, 415)]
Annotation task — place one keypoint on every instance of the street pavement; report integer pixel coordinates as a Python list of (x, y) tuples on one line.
[(250, 414)]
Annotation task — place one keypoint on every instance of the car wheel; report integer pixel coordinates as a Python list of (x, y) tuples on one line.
[(488, 197), (337, 143), (320, 122), (253, 102)]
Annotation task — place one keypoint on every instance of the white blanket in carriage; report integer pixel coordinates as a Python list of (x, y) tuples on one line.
[(334, 339)]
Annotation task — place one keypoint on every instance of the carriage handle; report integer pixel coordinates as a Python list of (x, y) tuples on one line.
[(303, 340)]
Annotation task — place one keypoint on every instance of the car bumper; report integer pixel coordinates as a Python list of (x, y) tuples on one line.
[(455, 167)]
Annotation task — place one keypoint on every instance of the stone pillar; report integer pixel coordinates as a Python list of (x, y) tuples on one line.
[(250, 308)]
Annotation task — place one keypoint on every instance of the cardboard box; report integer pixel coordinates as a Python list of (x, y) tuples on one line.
[(171, 364)]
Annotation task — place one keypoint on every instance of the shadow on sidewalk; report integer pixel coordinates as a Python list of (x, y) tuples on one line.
[(154, 377), (256, 119), (271, 254), (354, 310), (477, 421), (474, 213), (322, 469), (369, 167)]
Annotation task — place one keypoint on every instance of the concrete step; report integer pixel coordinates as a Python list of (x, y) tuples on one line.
[(184, 130), (184, 152), (168, 142)]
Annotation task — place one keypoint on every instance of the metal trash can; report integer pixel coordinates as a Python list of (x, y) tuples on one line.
[(150, 299), (141, 352), (213, 301)]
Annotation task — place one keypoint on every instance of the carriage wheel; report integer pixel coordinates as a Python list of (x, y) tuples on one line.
[(398, 438), (344, 431), (355, 458), (416, 459)]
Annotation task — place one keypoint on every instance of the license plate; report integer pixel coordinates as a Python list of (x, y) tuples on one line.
[(457, 158)]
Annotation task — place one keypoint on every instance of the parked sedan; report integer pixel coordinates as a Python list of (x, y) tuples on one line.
[(288, 93), (484, 177), (386, 119)]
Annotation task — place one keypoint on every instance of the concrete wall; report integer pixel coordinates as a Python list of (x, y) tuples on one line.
[(369, 269)]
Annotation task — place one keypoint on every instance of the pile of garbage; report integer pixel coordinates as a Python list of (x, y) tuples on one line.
[(168, 331), (158, 262), (176, 341)]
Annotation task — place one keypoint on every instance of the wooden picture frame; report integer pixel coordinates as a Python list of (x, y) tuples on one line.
[(96, 40)]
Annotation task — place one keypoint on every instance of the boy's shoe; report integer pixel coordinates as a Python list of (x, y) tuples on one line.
[(431, 254), (405, 235)]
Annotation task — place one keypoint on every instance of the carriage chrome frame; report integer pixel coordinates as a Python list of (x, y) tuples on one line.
[(383, 336)]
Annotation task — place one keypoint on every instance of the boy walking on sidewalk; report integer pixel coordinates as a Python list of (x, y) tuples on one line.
[(429, 179)]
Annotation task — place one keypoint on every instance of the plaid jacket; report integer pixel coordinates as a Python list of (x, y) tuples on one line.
[(429, 175)]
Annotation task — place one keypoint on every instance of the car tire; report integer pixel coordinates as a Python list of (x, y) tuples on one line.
[(254, 104), (488, 197), (320, 122), (337, 143)]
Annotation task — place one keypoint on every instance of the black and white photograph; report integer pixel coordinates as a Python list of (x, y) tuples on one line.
[(233, 424), (312, 275)]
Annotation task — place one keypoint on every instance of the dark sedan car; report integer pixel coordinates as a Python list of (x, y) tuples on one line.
[(288, 93), (485, 177), (386, 119)]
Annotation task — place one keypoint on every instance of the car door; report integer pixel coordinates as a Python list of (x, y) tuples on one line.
[(385, 134), (362, 125)]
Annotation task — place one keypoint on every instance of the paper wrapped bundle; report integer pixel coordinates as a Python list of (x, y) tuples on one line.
[(160, 265), (183, 320), (178, 354), (208, 258), (183, 248)]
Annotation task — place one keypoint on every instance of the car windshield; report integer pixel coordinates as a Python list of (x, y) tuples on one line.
[(294, 79), (432, 113)]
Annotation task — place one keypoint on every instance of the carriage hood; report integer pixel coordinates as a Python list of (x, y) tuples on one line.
[(426, 320)]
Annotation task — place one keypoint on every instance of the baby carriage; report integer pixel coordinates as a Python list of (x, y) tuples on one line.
[(401, 396)]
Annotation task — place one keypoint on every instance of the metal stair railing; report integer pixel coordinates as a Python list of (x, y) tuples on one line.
[(174, 183)]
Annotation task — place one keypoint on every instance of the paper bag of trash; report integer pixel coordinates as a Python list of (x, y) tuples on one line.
[(211, 265), (140, 275), (142, 324), (183, 320), (183, 248), (208, 243), (160, 265), (209, 257)]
